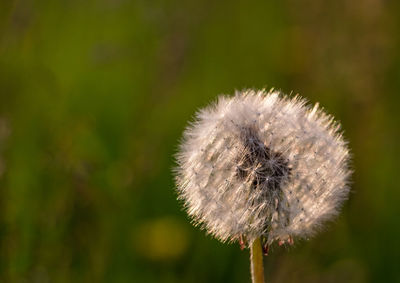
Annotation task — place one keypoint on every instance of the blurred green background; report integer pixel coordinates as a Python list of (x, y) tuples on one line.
[(94, 96)]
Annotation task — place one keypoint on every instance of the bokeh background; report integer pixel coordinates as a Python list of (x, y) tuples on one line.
[(94, 96)]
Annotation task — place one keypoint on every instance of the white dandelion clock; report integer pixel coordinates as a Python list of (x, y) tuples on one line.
[(263, 166)]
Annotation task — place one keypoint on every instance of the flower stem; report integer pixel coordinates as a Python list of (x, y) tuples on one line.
[(256, 258)]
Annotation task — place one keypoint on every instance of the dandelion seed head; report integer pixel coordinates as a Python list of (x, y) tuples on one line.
[(262, 164)]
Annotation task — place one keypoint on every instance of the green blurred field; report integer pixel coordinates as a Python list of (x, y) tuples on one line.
[(94, 96)]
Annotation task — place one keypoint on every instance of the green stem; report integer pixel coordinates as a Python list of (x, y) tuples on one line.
[(256, 258)]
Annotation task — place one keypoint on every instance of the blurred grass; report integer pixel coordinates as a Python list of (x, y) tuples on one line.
[(94, 96)]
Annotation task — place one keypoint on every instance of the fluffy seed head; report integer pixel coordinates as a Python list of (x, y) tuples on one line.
[(260, 164)]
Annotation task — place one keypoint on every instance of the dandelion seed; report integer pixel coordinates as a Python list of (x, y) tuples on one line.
[(262, 165)]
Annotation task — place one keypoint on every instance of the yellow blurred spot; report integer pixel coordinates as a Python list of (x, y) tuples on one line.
[(161, 239)]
